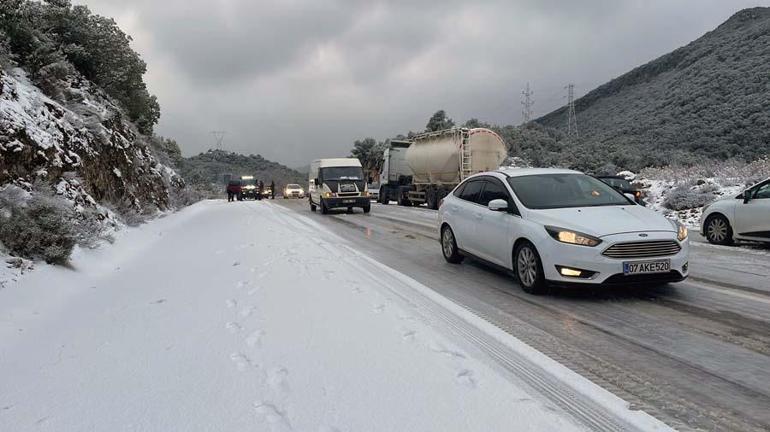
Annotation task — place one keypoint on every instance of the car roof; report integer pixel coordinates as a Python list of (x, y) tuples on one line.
[(519, 172)]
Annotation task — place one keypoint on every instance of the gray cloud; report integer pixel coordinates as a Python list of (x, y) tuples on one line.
[(299, 79)]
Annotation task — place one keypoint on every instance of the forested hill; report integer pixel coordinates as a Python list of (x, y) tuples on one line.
[(208, 169), (709, 99)]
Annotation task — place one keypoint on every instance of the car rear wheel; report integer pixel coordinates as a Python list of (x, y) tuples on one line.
[(529, 268), (449, 246), (718, 230)]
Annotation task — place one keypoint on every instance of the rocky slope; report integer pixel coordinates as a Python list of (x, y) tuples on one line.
[(706, 100), (84, 147)]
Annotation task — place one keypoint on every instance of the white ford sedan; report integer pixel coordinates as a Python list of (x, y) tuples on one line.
[(745, 217), (554, 226)]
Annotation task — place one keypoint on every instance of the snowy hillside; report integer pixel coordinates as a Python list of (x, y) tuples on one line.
[(79, 157)]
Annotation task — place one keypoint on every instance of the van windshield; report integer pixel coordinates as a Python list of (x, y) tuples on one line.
[(342, 173)]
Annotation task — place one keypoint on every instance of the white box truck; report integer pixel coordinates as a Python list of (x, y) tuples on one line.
[(337, 183)]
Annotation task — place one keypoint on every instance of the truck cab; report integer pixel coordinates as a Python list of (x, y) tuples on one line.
[(337, 183)]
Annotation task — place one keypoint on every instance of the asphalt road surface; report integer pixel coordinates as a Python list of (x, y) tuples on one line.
[(695, 354)]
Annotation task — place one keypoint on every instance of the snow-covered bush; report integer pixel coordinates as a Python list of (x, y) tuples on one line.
[(37, 228), (686, 196)]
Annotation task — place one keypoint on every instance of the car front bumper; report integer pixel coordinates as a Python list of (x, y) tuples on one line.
[(338, 202), (604, 270)]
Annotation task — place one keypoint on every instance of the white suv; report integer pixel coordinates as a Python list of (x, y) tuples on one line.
[(560, 226), (745, 217)]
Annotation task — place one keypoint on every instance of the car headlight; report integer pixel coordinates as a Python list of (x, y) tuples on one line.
[(681, 230), (572, 237)]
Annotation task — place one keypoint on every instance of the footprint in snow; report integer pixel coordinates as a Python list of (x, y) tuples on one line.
[(408, 334), (236, 264), (241, 361), (379, 308), (277, 378), (247, 311), (440, 349), (356, 290), (255, 338), (234, 327), (231, 303), (466, 378), (275, 417)]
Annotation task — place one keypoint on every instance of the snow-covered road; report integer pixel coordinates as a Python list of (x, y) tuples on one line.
[(248, 316), (694, 354)]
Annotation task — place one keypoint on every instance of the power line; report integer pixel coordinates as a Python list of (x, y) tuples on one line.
[(219, 138), (527, 103), (572, 127)]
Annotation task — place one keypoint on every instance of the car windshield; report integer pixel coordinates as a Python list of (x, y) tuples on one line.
[(293, 186), (342, 173), (550, 191), (617, 182)]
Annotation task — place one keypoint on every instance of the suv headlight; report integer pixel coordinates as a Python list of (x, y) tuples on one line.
[(572, 237)]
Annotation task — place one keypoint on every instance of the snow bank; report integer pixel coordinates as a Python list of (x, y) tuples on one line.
[(243, 316)]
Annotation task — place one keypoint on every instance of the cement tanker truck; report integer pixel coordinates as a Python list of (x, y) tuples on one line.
[(440, 160)]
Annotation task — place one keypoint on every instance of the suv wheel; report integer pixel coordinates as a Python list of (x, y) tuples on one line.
[(449, 246), (529, 268), (718, 230)]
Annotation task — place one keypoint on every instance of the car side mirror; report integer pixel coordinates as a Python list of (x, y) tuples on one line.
[(498, 205), (631, 197), (746, 197)]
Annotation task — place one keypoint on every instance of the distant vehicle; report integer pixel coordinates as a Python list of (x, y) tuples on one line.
[(337, 183), (436, 162), (374, 191), (624, 186), (234, 190), (560, 226), (267, 192), (395, 175), (745, 217), (293, 190), (248, 188)]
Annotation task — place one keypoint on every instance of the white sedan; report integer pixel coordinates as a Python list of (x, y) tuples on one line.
[(560, 226), (745, 217)]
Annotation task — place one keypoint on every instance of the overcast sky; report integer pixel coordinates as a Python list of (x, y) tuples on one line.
[(295, 80)]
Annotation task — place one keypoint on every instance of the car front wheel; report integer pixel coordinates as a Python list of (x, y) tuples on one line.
[(529, 268), (449, 246), (718, 230)]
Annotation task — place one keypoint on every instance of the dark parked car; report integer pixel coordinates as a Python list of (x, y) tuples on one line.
[(624, 186)]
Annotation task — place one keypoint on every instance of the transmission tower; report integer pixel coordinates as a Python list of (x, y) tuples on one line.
[(572, 127), (527, 103), (219, 138)]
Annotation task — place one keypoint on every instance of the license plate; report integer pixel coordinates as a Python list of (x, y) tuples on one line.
[(348, 201), (646, 267)]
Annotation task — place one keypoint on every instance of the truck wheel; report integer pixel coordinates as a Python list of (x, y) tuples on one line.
[(383, 198), (324, 209), (403, 200), (431, 198)]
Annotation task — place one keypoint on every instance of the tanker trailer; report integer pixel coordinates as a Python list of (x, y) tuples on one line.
[(441, 160)]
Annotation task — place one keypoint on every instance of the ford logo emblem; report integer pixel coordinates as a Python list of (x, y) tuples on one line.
[(643, 235)]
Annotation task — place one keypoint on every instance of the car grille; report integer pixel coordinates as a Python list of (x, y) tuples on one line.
[(645, 249)]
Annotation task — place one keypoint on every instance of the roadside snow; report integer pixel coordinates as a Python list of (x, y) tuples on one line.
[(245, 316)]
